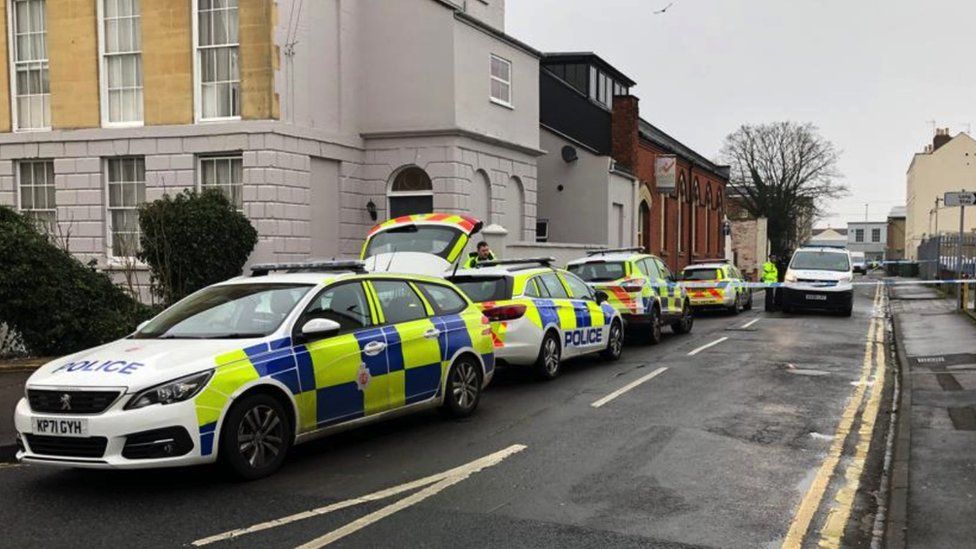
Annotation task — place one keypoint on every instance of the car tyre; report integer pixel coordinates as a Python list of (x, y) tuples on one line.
[(849, 311), (615, 343), (462, 392), (686, 322), (256, 437), (654, 335), (736, 307), (549, 362)]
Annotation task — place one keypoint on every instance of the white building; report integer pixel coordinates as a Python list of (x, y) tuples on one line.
[(317, 118), (869, 237)]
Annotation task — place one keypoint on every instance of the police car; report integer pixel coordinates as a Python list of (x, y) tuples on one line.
[(716, 283), (241, 370), (818, 278), (422, 243), (640, 287), (541, 315)]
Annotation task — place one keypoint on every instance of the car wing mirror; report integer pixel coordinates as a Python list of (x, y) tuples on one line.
[(142, 325), (601, 296), (318, 328)]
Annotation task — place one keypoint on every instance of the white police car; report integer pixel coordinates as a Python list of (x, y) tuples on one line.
[(244, 369)]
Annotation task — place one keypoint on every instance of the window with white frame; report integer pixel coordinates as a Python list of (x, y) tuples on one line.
[(501, 80), (32, 88), (35, 179), (121, 62), (219, 80), (126, 192), (225, 173)]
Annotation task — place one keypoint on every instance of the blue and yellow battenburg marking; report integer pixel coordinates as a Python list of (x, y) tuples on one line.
[(335, 380)]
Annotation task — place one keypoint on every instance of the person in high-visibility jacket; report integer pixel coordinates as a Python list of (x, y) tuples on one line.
[(770, 275), (483, 254)]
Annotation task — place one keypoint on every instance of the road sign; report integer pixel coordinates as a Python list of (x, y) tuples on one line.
[(959, 199)]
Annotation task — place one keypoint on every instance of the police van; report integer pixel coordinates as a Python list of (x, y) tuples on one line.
[(242, 370), (818, 278), (541, 315)]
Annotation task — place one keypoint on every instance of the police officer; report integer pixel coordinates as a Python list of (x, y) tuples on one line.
[(483, 254), (770, 275)]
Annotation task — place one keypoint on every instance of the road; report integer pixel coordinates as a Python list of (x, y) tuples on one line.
[(731, 444)]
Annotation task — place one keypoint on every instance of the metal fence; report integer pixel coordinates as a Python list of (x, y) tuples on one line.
[(939, 257)]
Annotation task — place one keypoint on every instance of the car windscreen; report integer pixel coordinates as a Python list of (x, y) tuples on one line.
[(599, 271), (232, 311), (699, 274), (432, 239), (820, 261), (484, 288)]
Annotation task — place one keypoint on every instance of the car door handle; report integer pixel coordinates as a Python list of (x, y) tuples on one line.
[(432, 333), (374, 348)]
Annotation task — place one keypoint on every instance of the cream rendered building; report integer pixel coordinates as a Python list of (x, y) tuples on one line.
[(949, 164), (317, 117)]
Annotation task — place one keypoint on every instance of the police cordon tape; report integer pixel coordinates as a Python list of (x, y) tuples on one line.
[(827, 284)]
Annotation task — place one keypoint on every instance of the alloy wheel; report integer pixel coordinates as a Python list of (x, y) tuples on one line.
[(260, 436), (465, 384), (551, 356)]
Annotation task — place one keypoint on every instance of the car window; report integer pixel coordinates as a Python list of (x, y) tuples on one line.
[(699, 274), (820, 261), (598, 271), (345, 304), (577, 287), (444, 300), (643, 268), (532, 289), (652, 269), (552, 285), (484, 288), (662, 269), (230, 311), (398, 301)]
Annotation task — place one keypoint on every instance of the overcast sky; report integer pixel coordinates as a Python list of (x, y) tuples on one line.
[(871, 74)]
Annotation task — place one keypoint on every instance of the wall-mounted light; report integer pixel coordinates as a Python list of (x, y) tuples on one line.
[(569, 154), (371, 209)]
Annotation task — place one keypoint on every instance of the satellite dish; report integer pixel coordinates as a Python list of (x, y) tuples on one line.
[(569, 154)]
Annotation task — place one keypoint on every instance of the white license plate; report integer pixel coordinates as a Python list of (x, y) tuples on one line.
[(816, 297), (60, 427)]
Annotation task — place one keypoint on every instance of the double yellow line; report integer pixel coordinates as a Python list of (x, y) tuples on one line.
[(873, 366)]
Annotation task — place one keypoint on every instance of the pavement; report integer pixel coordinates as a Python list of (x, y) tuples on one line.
[(11, 391), (934, 488), (752, 432)]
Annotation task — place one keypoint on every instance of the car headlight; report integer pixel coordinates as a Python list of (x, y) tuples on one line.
[(177, 390), (790, 277)]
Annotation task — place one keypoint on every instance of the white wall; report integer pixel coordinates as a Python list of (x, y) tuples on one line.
[(578, 213), (324, 200), (622, 191)]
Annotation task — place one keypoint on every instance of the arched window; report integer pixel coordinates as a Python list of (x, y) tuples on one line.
[(411, 193), (682, 194), (708, 218), (694, 199), (479, 201), (644, 226), (515, 209)]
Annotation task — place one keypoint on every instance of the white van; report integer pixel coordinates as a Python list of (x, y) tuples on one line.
[(819, 278), (858, 263)]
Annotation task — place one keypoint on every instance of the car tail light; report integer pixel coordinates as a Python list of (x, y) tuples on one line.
[(505, 312)]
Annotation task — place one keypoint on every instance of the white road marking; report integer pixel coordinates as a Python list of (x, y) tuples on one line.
[(9, 465), (440, 481), (703, 347), (628, 387), (750, 323)]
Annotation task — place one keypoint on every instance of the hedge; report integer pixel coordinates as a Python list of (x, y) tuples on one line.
[(56, 303)]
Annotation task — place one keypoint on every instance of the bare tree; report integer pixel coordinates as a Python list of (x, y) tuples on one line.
[(785, 172)]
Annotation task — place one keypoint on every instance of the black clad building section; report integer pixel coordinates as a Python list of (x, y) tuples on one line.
[(571, 113)]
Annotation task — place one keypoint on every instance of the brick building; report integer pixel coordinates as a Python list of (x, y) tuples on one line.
[(682, 227)]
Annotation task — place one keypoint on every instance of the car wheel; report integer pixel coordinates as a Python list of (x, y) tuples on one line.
[(550, 356), (786, 309), (687, 321), (256, 437), (615, 343), (654, 335), (463, 390)]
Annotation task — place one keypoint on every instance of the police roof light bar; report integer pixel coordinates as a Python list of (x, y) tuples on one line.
[(353, 265), (543, 261), (605, 251), (716, 260)]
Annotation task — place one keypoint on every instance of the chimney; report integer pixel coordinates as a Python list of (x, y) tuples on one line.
[(941, 138), (624, 127)]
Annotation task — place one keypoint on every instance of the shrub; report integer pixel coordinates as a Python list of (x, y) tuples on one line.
[(193, 240), (57, 304)]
